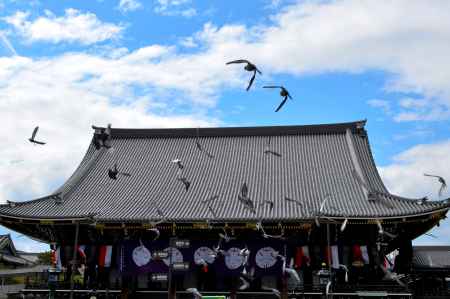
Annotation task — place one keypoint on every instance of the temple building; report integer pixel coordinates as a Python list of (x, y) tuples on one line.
[(235, 211)]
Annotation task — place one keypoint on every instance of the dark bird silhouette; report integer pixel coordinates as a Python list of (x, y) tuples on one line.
[(267, 149), (245, 200), (267, 202), (114, 172), (200, 147), (441, 180), (210, 199), (283, 92), (250, 67), (372, 195), (297, 202), (422, 200), (211, 210), (185, 182), (33, 135), (160, 213), (178, 162)]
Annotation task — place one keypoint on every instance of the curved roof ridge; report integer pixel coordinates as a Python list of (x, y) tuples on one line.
[(444, 202), (25, 202), (367, 160), (87, 162), (354, 126)]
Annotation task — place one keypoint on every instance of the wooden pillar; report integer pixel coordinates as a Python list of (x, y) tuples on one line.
[(74, 259), (172, 291), (284, 289), (233, 294)]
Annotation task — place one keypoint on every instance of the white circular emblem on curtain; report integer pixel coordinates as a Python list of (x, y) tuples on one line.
[(233, 258), (204, 253), (266, 257), (177, 256), (141, 255)]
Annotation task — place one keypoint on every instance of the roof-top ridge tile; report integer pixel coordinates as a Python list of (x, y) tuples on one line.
[(355, 127), (23, 203)]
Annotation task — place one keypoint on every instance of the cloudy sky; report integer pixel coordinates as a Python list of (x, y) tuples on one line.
[(65, 65)]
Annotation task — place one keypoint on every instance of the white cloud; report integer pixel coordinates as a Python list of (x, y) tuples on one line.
[(175, 8), (412, 103), (273, 4), (188, 42), (404, 176), (129, 5), (64, 97), (351, 36), (7, 44), (74, 26), (188, 13), (384, 105)]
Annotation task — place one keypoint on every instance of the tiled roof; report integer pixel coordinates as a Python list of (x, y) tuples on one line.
[(315, 160), (6, 244)]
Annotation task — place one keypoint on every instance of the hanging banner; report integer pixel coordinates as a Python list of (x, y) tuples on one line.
[(266, 256), (302, 257), (335, 257), (230, 263), (104, 256), (152, 256)]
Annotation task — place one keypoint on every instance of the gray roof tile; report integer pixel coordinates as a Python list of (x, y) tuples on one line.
[(315, 161)]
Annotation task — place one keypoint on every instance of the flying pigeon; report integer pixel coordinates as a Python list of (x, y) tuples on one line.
[(244, 252), (422, 200), (211, 210), (344, 267), (178, 162), (245, 284), (372, 194), (322, 204), (441, 180), (160, 213), (185, 182), (209, 199), (328, 288), (225, 236), (250, 67), (200, 147), (297, 202), (33, 135), (344, 224), (267, 202), (260, 227), (112, 173), (194, 292), (245, 200), (393, 276), (156, 231), (267, 149), (283, 92)]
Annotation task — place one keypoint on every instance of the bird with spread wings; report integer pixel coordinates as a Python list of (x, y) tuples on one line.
[(33, 136), (250, 67), (283, 93), (441, 180)]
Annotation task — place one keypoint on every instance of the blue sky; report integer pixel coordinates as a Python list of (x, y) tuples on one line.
[(161, 63)]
